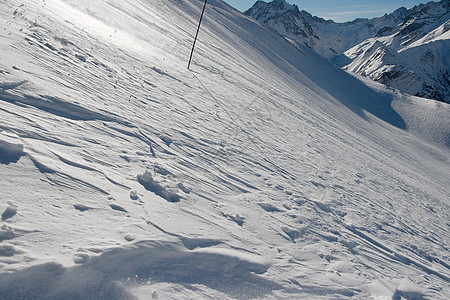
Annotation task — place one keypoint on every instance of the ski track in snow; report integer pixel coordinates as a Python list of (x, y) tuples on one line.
[(263, 173)]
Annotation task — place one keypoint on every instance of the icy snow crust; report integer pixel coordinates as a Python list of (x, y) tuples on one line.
[(265, 172)]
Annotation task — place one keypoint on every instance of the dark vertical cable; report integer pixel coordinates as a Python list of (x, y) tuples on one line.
[(196, 35)]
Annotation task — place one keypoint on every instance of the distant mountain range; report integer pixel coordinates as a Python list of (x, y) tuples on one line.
[(408, 49)]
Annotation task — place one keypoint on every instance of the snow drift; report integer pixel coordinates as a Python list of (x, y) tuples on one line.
[(294, 178)]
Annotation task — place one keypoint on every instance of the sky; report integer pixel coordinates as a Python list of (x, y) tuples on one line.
[(340, 10)]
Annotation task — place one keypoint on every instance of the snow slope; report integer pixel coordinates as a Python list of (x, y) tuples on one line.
[(265, 172)]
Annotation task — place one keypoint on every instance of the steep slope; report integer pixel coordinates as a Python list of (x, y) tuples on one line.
[(418, 68), (265, 172), (326, 37), (367, 47)]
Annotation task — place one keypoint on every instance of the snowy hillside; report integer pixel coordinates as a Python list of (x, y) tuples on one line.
[(263, 172), (407, 49)]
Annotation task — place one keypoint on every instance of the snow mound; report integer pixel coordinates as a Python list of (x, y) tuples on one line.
[(106, 276), (149, 184), (403, 289), (11, 85)]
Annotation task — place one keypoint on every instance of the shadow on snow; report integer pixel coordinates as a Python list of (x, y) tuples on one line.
[(104, 277)]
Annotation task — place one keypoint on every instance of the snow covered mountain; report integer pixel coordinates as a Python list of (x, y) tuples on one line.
[(407, 49), (264, 172)]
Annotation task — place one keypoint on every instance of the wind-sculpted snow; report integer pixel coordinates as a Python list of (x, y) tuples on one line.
[(56, 106), (149, 184), (53, 281), (110, 275), (262, 172), (11, 85)]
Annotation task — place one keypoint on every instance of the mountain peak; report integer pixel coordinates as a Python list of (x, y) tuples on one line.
[(397, 31), (264, 11)]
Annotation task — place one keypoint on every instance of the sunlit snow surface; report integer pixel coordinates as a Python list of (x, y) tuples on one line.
[(264, 172)]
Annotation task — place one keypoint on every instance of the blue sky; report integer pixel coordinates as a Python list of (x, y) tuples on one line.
[(340, 10)]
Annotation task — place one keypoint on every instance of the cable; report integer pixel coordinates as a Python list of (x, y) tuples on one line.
[(196, 35)]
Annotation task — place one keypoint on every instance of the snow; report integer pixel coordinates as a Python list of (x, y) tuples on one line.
[(440, 33), (149, 184), (265, 172), (406, 50), (11, 147), (405, 288), (277, 8)]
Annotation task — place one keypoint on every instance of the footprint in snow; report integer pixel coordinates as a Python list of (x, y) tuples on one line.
[(81, 258), (118, 208), (293, 234), (184, 188), (151, 185), (269, 207), (10, 211), (155, 295), (129, 237), (8, 250), (235, 218), (134, 195), (166, 139), (82, 207)]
